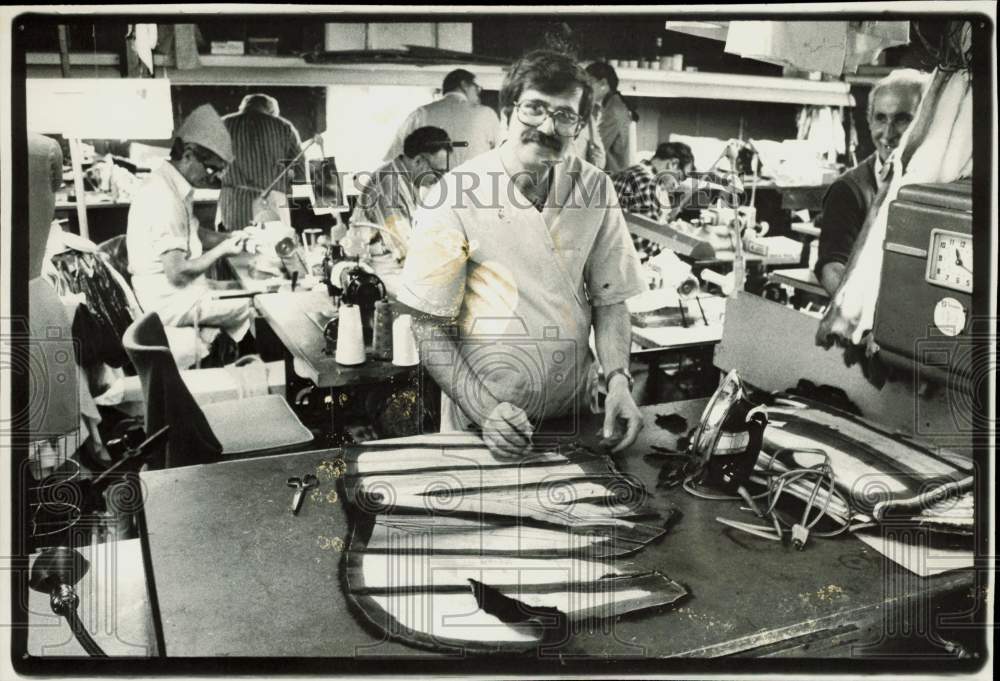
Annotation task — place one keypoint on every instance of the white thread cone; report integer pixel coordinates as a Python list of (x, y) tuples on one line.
[(350, 336), (404, 346)]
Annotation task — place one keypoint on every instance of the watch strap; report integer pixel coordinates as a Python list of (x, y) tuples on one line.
[(623, 372)]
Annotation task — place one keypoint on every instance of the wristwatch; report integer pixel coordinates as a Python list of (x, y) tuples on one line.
[(623, 372)]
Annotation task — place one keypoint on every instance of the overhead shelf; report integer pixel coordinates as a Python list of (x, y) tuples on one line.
[(261, 70), (729, 86)]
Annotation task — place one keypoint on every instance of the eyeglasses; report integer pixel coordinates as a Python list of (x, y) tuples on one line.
[(433, 168), (533, 112), (210, 168)]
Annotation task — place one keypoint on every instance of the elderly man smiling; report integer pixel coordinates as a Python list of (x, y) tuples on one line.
[(514, 258), (891, 106)]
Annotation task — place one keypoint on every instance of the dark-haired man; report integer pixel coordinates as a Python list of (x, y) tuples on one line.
[(458, 113), (640, 187), (615, 116), (525, 243), (168, 250), (390, 197)]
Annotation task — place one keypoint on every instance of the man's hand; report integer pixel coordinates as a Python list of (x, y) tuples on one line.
[(831, 276), (620, 405), (507, 431), (232, 246)]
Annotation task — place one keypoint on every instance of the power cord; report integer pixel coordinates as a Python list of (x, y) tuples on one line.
[(780, 483)]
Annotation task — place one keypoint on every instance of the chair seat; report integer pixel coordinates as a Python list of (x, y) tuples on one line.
[(255, 424)]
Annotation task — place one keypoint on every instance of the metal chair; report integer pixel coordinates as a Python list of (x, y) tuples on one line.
[(204, 434)]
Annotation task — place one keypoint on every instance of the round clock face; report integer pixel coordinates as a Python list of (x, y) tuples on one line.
[(950, 316)]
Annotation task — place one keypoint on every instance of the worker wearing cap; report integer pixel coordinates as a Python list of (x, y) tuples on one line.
[(169, 253), (459, 113), (393, 191)]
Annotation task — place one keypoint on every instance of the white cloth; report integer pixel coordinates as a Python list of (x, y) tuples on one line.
[(521, 283), (161, 219), (463, 121)]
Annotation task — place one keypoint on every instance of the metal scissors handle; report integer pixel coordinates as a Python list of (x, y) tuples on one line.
[(301, 485)]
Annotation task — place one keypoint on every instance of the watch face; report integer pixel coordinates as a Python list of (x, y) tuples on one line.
[(949, 260)]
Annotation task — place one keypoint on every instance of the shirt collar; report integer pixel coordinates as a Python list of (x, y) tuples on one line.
[(178, 181), (879, 169), (457, 93)]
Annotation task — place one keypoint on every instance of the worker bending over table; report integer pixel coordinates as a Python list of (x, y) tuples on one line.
[(514, 257), (644, 189), (169, 252), (392, 193), (892, 103), (263, 142)]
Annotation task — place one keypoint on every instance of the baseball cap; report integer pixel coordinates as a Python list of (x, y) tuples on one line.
[(204, 127), (428, 139)]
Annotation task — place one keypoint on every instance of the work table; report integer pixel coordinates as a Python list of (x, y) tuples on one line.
[(236, 574)]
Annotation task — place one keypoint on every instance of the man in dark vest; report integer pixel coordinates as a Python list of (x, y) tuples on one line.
[(892, 104)]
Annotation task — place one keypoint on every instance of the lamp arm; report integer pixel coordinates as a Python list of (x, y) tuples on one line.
[(316, 139)]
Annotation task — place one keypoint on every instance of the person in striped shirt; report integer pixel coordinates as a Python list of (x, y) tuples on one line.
[(262, 141)]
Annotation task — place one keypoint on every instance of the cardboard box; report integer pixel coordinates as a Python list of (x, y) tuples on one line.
[(227, 47)]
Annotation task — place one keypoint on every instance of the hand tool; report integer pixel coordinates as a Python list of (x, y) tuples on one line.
[(301, 485)]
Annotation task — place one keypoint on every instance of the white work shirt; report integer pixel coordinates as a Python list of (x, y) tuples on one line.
[(463, 121), (521, 283), (161, 219)]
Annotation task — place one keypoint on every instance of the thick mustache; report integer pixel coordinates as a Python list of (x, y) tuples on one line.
[(553, 143)]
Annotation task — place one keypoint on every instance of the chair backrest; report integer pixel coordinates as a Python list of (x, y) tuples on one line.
[(168, 400)]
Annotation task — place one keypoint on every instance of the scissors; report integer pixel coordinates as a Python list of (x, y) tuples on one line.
[(301, 485)]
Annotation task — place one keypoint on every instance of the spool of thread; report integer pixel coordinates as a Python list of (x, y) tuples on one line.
[(350, 336), (382, 342), (404, 346)]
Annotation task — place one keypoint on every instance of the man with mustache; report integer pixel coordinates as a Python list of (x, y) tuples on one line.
[(515, 257), (892, 104)]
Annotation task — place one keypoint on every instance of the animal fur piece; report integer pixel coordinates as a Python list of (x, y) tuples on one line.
[(452, 549)]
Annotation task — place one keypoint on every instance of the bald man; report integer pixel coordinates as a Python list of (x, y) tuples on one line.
[(262, 140), (169, 252), (892, 104)]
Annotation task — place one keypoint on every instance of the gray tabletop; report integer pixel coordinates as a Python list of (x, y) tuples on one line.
[(237, 574), (288, 314)]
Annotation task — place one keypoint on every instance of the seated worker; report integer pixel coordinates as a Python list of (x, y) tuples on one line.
[(892, 104), (526, 242), (646, 188), (393, 191), (169, 252)]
